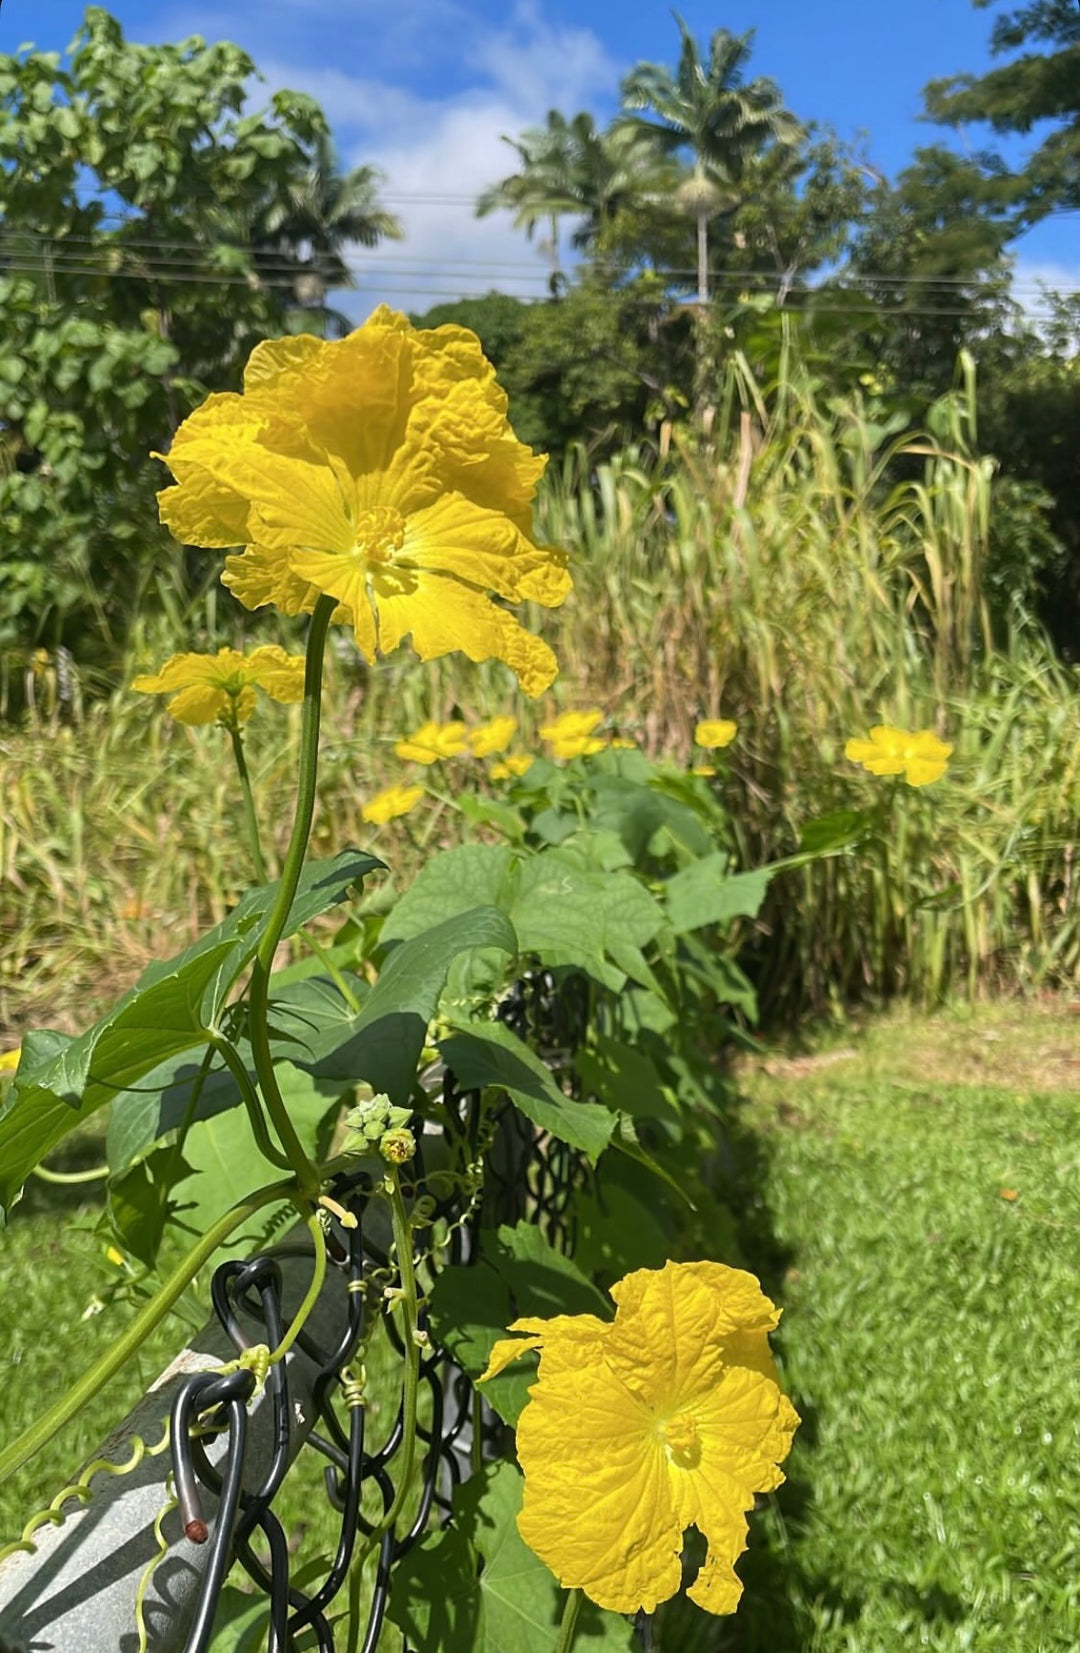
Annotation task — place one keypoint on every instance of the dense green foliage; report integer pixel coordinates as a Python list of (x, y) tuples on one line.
[(151, 231)]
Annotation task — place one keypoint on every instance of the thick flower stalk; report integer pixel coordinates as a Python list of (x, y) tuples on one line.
[(920, 756), (667, 1417), (221, 686), (381, 471)]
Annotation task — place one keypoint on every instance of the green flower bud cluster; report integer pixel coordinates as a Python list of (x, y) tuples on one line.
[(375, 1124)]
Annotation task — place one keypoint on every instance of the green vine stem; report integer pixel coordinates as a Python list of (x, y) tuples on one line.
[(97, 1173), (87, 1386), (403, 1246), (569, 1622), (259, 991), (250, 1097), (251, 819), (311, 1296)]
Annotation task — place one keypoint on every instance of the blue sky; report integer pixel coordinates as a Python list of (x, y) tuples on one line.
[(425, 88)]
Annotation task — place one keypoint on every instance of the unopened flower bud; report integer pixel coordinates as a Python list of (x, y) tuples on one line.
[(398, 1147)]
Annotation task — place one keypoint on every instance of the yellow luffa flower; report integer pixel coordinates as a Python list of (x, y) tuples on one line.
[(516, 763), (222, 685), (434, 741), (571, 735), (715, 732), (380, 470), (669, 1416), (9, 1059), (920, 756), (390, 803), (488, 739)]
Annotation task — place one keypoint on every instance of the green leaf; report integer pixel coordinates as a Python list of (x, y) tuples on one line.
[(167, 1013), (541, 1280), (842, 829), (568, 914), (472, 875), (702, 893), (446, 1602), (637, 812), (224, 1165), (487, 1053), (626, 1080), (383, 1043), (469, 1310)]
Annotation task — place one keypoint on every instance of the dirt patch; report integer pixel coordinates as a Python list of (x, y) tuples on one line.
[(1028, 1045)]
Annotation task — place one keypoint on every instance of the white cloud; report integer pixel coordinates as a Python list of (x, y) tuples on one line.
[(439, 155)]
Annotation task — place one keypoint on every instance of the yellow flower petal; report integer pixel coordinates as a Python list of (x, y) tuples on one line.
[(515, 764), (433, 742), (443, 614), (571, 725), (201, 703), (390, 803), (715, 733), (487, 739)]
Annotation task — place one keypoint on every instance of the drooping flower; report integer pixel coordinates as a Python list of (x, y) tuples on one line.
[(571, 735), (669, 1416), (390, 803), (433, 742), (515, 763), (380, 470), (714, 733), (222, 685), (488, 739), (920, 756)]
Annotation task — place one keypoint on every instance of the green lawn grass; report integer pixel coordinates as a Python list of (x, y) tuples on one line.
[(921, 1221)]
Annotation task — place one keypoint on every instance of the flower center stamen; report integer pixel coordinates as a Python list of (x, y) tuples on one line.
[(380, 532), (680, 1437)]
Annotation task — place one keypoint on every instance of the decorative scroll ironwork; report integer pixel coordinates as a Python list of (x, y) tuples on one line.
[(526, 1175)]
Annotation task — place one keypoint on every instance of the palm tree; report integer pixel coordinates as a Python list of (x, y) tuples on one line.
[(547, 185), (712, 110), (570, 168), (324, 212)]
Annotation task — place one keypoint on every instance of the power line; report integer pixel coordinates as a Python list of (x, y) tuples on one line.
[(164, 258)]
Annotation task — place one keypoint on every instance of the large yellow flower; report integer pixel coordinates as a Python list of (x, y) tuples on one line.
[(669, 1416), (222, 685), (380, 470), (920, 757)]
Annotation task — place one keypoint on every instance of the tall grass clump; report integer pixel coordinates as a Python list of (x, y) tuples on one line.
[(812, 569)]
